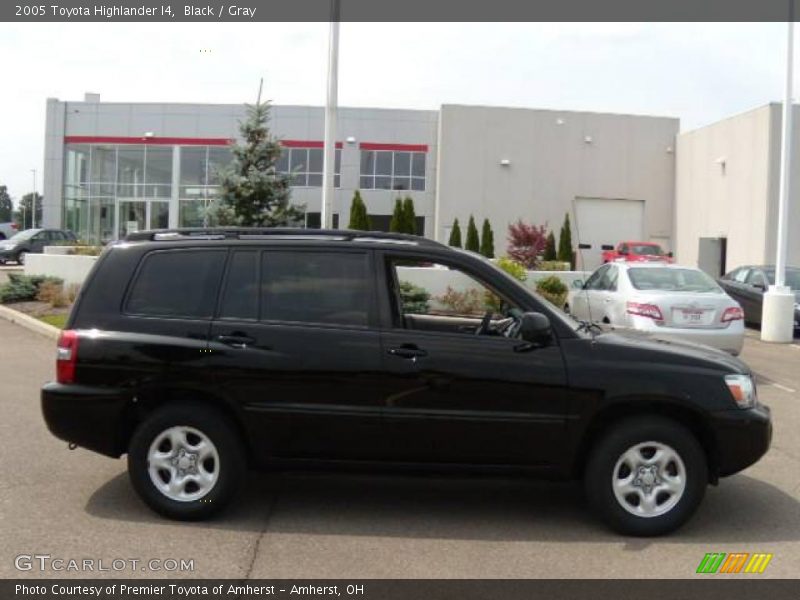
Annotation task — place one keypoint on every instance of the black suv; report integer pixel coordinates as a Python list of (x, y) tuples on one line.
[(200, 353)]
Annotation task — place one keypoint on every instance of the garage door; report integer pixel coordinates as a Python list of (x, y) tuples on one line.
[(600, 221)]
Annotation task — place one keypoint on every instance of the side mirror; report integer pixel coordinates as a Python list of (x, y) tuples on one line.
[(535, 329), (578, 284)]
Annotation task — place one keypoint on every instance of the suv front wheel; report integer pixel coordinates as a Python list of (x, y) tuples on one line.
[(185, 461), (646, 476)]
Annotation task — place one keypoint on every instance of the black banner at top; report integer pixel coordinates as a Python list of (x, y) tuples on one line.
[(393, 10)]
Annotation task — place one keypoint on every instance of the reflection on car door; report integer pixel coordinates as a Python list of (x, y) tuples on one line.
[(453, 396), (294, 344), (752, 295)]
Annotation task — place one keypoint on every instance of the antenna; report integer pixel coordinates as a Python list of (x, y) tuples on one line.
[(581, 247)]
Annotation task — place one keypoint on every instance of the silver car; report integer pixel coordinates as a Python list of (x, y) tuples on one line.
[(669, 301)]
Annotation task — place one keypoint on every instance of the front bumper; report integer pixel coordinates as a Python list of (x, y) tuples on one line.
[(8, 254), (95, 418), (743, 437)]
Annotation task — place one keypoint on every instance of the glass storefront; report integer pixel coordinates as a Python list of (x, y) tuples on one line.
[(111, 190)]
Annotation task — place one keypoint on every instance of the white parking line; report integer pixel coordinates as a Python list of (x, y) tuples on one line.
[(783, 388)]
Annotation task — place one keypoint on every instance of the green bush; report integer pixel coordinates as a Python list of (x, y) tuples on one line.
[(23, 288), (553, 265), (516, 269), (553, 290), (415, 299)]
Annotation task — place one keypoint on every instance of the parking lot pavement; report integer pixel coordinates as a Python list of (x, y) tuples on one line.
[(80, 505)]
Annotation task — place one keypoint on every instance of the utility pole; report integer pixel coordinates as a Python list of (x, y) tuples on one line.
[(777, 317), (329, 158)]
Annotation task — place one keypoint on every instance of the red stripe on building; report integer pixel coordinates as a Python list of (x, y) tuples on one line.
[(396, 147), (306, 144), (168, 141)]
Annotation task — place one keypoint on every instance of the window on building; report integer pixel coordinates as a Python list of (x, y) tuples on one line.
[(199, 183), (177, 284), (392, 170), (305, 166), (316, 287)]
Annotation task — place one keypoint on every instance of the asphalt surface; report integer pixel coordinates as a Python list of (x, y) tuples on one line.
[(77, 505)]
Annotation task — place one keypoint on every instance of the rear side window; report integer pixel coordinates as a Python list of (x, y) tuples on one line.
[(240, 298), (177, 283), (316, 287)]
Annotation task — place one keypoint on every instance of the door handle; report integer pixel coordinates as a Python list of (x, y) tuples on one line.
[(236, 340), (408, 352)]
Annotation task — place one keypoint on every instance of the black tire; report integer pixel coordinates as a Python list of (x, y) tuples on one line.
[(21, 257), (600, 470), (230, 468)]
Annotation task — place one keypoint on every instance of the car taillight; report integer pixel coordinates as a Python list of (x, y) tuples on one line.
[(67, 356), (650, 311), (734, 313)]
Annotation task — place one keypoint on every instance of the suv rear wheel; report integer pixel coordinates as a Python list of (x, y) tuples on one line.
[(185, 461), (646, 476)]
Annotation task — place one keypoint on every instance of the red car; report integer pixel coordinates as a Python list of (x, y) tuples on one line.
[(636, 252)]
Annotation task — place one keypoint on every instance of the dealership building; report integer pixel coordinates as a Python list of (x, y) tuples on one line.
[(111, 168)]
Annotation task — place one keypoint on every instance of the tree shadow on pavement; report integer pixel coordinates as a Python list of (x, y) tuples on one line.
[(741, 510)]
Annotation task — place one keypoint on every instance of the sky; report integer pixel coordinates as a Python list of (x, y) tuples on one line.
[(698, 72)]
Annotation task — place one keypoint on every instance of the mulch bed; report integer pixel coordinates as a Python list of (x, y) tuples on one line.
[(38, 309)]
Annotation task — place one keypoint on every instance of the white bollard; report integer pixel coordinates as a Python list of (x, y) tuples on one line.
[(777, 317)]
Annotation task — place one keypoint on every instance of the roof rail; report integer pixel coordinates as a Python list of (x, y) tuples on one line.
[(226, 233)]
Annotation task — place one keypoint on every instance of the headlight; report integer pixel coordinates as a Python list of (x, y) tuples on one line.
[(9, 246), (743, 390)]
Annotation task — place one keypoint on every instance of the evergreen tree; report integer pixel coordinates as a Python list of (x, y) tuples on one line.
[(565, 251), (455, 235), (253, 192), (397, 224), (473, 243), (550, 248), (23, 216), (6, 207), (409, 216), (359, 219), (487, 240)]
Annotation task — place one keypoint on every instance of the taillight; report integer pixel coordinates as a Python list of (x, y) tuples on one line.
[(66, 356), (650, 311), (734, 313)]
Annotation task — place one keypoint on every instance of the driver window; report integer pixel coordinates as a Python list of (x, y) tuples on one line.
[(438, 297), (757, 278)]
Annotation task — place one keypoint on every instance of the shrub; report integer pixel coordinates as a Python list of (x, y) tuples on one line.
[(513, 268), (415, 299), (409, 216), (526, 242), (565, 251), (553, 265), (553, 289), (86, 250), (467, 302), (72, 292), (473, 243), (487, 240), (550, 248), (397, 223), (359, 219), (455, 235), (52, 293), (23, 288)]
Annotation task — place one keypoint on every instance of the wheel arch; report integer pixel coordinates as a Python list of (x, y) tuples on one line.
[(149, 400), (623, 409)]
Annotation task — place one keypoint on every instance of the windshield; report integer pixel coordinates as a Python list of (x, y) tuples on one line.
[(23, 235), (646, 250), (672, 280), (792, 278)]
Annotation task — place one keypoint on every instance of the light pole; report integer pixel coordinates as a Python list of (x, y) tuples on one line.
[(33, 201), (777, 318), (329, 158)]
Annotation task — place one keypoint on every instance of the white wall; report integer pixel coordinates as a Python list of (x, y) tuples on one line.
[(724, 182), (72, 269), (551, 164)]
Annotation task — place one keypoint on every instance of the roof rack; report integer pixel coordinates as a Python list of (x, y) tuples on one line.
[(294, 233)]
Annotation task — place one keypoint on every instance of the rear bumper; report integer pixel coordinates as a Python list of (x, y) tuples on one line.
[(91, 417), (743, 437), (728, 339)]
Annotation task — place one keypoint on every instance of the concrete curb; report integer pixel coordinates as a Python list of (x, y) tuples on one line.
[(35, 325)]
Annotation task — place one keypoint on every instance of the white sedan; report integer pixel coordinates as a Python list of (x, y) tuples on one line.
[(669, 301)]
